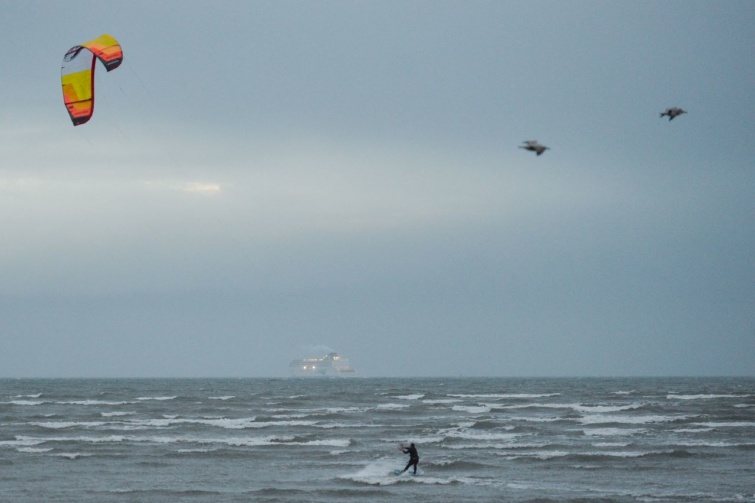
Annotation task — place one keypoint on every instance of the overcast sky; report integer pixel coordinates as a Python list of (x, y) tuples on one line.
[(260, 177)]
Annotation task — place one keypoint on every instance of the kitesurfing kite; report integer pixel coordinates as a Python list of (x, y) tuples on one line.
[(77, 74)]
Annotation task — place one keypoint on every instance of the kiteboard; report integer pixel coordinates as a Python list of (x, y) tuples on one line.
[(409, 472)]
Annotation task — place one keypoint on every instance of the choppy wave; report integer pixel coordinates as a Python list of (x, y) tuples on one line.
[(71, 455), (392, 406), (629, 419), (286, 441), (612, 432), (58, 425), (410, 397), (473, 409), (505, 396), (34, 450), (728, 424), (381, 473), (600, 455), (702, 397), (482, 435)]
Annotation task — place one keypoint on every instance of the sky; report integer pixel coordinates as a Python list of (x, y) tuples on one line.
[(262, 177)]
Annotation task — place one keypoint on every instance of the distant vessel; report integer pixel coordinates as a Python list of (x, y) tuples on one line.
[(330, 365)]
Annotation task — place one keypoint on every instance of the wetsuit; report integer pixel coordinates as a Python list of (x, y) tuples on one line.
[(413, 458)]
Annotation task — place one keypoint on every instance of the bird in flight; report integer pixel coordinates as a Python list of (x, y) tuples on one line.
[(534, 146)]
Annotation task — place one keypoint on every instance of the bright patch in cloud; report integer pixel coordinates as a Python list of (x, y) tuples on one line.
[(202, 188), (189, 187)]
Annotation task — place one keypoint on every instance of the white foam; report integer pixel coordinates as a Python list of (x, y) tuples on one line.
[(231, 424), (543, 455), (222, 397), (22, 442), (336, 442), (116, 414), (611, 432), (420, 439), (611, 444), (23, 402), (625, 454), (700, 397), (378, 472), (92, 402), (410, 397), (253, 441), (330, 426), (577, 407), (161, 439), (341, 410), (90, 440), (605, 408), (160, 398), (482, 435), (496, 446), (59, 425), (602, 419), (733, 424), (32, 450), (291, 416), (572, 406), (472, 409), (282, 423), (503, 396), (381, 473), (536, 419), (710, 443), (546, 455), (442, 401), (71, 455), (392, 406)]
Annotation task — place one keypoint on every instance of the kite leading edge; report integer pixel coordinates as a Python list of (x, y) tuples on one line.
[(77, 74)]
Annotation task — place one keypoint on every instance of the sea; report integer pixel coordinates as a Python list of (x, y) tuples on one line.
[(337, 440)]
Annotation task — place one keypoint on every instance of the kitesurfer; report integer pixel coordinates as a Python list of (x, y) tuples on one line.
[(413, 456)]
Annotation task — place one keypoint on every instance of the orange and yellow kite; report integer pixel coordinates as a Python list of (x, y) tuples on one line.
[(77, 74)]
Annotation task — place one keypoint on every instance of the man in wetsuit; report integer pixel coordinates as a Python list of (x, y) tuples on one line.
[(413, 457)]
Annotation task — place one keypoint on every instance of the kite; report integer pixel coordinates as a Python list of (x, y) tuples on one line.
[(77, 74)]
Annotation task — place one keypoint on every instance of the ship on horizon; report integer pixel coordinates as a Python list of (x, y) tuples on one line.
[(330, 365)]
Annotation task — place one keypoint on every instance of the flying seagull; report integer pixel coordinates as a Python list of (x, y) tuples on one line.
[(534, 146), (673, 112)]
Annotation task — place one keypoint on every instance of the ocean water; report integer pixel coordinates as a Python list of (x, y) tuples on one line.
[(297, 440)]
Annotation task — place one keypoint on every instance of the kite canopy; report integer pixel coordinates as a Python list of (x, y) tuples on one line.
[(77, 74)]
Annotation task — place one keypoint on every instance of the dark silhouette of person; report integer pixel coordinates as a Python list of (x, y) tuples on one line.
[(413, 457)]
